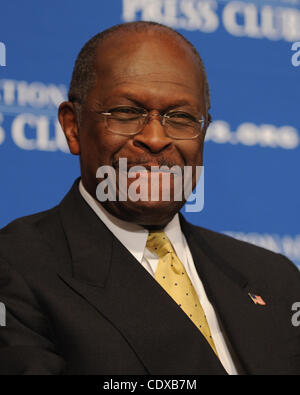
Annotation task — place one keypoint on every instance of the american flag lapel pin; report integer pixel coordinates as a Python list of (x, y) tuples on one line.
[(257, 299)]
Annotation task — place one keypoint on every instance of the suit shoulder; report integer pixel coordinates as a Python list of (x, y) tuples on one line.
[(246, 256), (26, 224), (26, 239)]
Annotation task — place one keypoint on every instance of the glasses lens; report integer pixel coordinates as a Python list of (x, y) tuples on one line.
[(182, 125), (125, 120)]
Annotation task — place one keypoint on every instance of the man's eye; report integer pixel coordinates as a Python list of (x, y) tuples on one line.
[(181, 117), (125, 112)]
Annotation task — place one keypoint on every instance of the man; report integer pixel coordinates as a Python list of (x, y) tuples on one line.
[(129, 287)]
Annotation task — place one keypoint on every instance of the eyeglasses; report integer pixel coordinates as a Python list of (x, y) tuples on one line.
[(128, 121)]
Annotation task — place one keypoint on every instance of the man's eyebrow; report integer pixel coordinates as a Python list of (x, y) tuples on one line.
[(139, 102), (180, 103), (177, 103)]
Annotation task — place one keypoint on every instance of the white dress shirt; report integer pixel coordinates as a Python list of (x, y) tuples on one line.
[(134, 238)]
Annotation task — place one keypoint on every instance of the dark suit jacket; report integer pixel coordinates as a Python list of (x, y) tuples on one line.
[(79, 303)]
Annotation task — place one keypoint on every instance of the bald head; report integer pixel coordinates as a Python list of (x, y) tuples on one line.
[(100, 49)]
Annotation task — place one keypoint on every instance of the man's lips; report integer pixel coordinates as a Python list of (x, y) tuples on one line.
[(153, 168)]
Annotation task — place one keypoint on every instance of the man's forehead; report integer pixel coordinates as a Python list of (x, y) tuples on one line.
[(137, 55), (158, 47)]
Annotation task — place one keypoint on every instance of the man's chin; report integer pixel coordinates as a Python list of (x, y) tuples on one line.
[(144, 212)]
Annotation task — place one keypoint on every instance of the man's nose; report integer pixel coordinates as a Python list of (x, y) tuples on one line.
[(153, 136)]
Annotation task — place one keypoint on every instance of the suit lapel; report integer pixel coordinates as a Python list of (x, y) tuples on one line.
[(108, 277), (252, 329)]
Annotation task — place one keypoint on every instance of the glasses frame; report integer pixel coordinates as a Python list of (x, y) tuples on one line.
[(147, 116)]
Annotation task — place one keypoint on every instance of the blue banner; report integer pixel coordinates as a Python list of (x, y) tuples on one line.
[(251, 50)]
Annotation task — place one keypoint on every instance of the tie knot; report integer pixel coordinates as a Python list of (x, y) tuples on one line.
[(159, 243)]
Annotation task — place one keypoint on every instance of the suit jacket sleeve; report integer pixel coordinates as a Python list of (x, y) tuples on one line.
[(26, 345)]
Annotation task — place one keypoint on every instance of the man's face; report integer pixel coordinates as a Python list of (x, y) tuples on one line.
[(155, 72)]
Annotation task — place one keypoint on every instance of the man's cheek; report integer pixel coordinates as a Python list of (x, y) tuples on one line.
[(193, 155)]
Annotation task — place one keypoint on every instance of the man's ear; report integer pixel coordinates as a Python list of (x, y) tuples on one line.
[(69, 124), (209, 119)]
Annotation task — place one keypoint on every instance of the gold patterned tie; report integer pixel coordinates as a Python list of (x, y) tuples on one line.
[(172, 276)]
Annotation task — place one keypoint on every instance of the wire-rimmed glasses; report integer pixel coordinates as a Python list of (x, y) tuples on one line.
[(128, 121)]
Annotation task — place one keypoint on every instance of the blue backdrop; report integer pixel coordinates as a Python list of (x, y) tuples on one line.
[(251, 50)]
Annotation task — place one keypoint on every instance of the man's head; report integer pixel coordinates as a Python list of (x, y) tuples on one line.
[(146, 66)]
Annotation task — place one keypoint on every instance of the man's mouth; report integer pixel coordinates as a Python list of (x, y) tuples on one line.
[(150, 168)]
